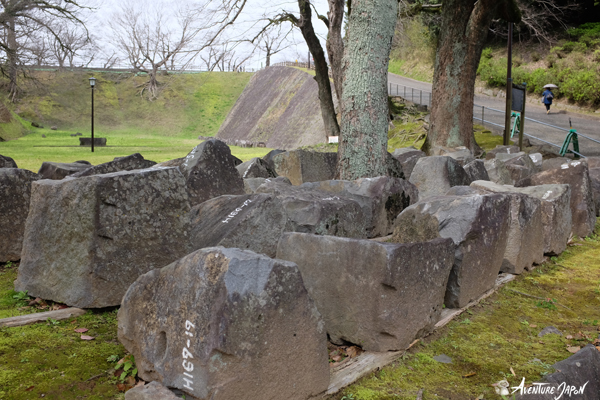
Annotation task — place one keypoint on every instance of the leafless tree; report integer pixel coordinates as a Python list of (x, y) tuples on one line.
[(151, 39), (69, 43), (274, 40), (19, 16)]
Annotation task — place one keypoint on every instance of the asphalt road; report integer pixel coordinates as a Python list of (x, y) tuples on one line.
[(584, 124)]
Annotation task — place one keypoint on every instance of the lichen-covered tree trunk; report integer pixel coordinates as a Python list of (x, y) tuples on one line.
[(464, 28), (362, 149), (335, 43), (332, 127)]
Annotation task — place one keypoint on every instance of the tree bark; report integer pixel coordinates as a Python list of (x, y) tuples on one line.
[(464, 28), (362, 149), (321, 69), (335, 44), (12, 59)]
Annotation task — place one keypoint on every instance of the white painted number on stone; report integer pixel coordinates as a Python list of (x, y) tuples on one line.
[(236, 211), (188, 378), (547, 194)]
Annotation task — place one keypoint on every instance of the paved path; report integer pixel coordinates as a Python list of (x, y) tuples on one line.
[(587, 125)]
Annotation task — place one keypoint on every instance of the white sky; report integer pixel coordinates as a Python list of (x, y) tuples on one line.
[(98, 23)]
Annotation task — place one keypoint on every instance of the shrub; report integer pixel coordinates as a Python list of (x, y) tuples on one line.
[(535, 56)]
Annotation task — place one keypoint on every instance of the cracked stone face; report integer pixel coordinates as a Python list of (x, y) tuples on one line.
[(219, 324)]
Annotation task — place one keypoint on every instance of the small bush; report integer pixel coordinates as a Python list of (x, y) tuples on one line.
[(487, 53), (535, 56)]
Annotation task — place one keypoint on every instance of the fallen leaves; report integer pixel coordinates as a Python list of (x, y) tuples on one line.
[(339, 354), (81, 330), (86, 337), (470, 374), (573, 349)]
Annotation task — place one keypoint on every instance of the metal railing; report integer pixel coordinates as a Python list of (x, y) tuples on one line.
[(495, 117)]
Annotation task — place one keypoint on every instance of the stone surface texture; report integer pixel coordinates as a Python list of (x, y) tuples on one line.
[(256, 168), (381, 199), (380, 296), (595, 182), (15, 195), (476, 171), (408, 157), (555, 208), (219, 324), (127, 163), (209, 171), (7, 162), (87, 239), (478, 225), (525, 245), (252, 184), (57, 171), (319, 212), (434, 175), (577, 176), (501, 149), (253, 222), (150, 391), (301, 166), (498, 172)]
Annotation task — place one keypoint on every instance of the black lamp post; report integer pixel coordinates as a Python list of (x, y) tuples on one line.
[(92, 84)]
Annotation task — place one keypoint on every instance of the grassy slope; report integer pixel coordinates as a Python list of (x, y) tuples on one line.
[(163, 129)]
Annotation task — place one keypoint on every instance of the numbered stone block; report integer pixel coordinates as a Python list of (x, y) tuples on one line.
[(435, 175), (380, 296), (127, 163), (224, 324), (57, 171)]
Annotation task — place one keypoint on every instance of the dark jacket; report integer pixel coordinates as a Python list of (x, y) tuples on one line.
[(547, 99)]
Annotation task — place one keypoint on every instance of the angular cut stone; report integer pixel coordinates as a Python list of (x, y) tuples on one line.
[(87, 239), (15, 194), (209, 170), (57, 171), (252, 222), (150, 391), (380, 296), (478, 225), (595, 183), (500, 149), (256, 168), (301, 166), (498, 172), (556, 211), (462, 155), (381, 199), (434, 175), (252, 184), (408, 157), (525, 244), (219, 324), (319, 212), (576, 174), (476, 171), (127, 163)]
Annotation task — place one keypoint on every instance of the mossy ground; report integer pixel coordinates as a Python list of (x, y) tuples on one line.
[(50, 360), (500, 334)]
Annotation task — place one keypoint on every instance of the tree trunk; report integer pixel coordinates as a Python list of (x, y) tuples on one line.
[(335, 44), (321, 69), (13, 59), (464, 28), (362, 150)]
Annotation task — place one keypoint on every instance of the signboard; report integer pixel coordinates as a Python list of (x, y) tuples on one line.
[(518, 98)]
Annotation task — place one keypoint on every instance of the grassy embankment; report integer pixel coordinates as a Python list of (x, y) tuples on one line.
[(189, 105)]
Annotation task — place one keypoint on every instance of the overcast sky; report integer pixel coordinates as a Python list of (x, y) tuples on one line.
[(98, 23)]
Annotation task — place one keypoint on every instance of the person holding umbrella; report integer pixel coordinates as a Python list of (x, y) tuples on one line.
[(547, 96)]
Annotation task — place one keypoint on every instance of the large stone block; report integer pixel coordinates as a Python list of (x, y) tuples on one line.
[(476, 171), (209, 171), (595, 182), (301, 166), (408, 157), (225, 324), (57, 171), (380, 296), (256, 168), (478, 225), (555, 207), (498, 173), (7, 162), (15, 193), (319, 212), (501, 149), (87, 239), (525, 244), (381, 198), (435, 175), (127, 163), (253, 222), (252, 184), (575, 174)]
